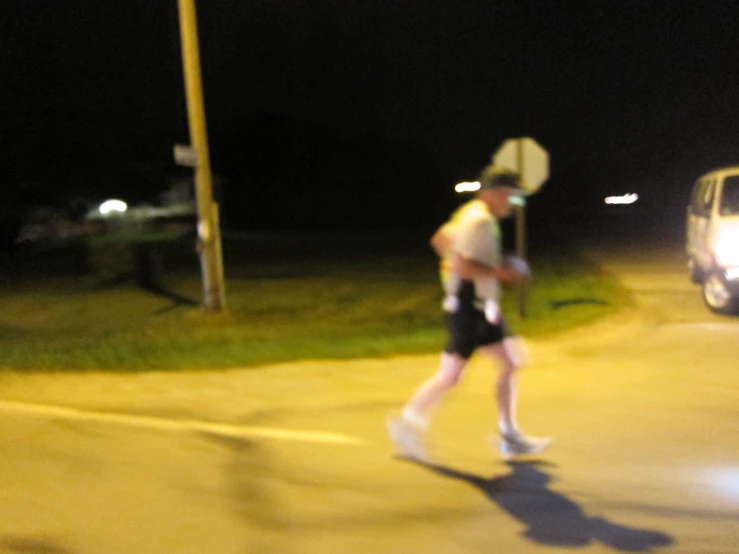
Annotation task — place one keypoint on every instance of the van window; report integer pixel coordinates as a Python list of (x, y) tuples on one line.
[(700, 204), (730, 196), (707, 196), (695, 197)]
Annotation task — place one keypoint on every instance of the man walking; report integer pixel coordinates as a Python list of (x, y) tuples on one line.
[(473, 268)]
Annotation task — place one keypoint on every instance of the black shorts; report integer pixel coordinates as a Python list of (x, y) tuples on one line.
[(467, 328)]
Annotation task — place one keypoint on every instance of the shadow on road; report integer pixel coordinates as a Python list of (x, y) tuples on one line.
[(30, 545), (551, 518)]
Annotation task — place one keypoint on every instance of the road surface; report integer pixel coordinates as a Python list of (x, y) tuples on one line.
[(294, 458)]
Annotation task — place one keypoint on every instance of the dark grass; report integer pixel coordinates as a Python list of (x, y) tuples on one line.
[(289, 297)]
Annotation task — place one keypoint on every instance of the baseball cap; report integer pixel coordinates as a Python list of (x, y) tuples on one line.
[(493, 177)]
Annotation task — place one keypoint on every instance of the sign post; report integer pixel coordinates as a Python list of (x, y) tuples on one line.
[(526, 157)]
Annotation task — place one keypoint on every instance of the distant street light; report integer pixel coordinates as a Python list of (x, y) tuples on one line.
[(468, 187), (625, 199), (112, 206), (474, 186)]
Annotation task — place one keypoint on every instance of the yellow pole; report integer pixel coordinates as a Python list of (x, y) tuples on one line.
[(521, 236), (521, 253), (208, 233)]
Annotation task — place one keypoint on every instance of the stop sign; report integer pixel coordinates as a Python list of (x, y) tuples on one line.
[(526, 157)]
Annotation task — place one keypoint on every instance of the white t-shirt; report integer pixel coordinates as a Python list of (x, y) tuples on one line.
[(474, 233)]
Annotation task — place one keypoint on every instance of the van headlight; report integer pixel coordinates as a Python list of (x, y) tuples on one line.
[(727, 248), (732, 274)]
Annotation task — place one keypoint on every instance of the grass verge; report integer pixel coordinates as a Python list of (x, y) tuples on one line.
[(303, 303)]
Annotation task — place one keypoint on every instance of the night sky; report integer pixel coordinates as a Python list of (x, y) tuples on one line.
[(333, 105)]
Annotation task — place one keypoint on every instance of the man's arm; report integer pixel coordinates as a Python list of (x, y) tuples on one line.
[(469, 269), (440, 241)]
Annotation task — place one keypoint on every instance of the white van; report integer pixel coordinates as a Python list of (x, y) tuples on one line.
[(713, 238)]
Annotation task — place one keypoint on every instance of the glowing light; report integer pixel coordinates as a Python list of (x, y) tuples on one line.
[(118, 206), (732, 273), (624, 199), (727, 247), (468, 187), (518, 200), (724, 480)]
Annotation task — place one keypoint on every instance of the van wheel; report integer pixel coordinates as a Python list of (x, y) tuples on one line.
[(696, 273), (717, 296)]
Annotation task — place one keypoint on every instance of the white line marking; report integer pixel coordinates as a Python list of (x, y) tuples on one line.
[(165, 424)]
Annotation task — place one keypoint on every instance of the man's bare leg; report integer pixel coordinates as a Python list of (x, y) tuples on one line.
[(506, 391), (511, 354), (408, 430), (432, 392)]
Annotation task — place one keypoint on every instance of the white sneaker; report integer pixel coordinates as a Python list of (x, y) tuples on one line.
[(517, 444), (409, 439)]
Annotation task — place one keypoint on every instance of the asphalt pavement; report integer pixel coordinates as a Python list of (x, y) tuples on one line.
[(294, 458)]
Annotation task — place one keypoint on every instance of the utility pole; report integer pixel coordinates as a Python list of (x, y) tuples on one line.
[(209, 233)]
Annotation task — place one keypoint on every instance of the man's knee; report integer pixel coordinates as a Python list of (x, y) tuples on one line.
[(450, 371), (516, 352), (508, 367), (511, 353), (448, 379)]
